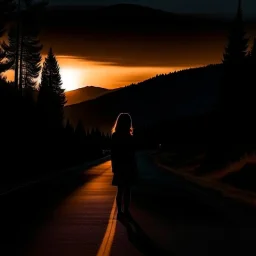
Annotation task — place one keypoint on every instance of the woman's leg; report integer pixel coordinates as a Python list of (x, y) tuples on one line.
[(127, 199), (119, 198)]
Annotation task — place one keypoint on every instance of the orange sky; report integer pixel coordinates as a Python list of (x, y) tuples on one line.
[(111, 62), (112, 54), (115, 64), (77, 73)]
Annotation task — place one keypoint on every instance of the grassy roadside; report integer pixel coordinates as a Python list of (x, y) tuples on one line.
[(233, 181), (16, 185)]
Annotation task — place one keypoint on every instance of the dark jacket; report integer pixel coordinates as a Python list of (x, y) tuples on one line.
[(123, 159)]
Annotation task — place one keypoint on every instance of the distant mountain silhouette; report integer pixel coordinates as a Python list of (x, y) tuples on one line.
[(129, 10), (139, 10), (127, 14), (53, 7), (185, 93), (84, 94)]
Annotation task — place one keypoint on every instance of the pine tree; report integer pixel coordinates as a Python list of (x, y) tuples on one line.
[(248, 103), (51, 96), (6, 8), (252, 52), (234, 60), (31, 55), (69, 129), (236, 50), (9, 49), (4, 64), (229, 133), (80, 133), (95, 143), (31, 62), (69, 152), (23, 33), (31, 58), (69, 134), (80, 141)]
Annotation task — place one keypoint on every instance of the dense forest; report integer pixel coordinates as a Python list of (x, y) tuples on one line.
[(35, 138), (209, 108), (37, 135), (168, 96), (227, 132)]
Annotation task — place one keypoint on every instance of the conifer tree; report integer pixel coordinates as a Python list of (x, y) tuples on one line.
[(23, 39), (6, 8), (51, 96), (234, 60)]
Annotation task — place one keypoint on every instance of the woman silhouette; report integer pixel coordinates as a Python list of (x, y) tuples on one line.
[(123, 162)]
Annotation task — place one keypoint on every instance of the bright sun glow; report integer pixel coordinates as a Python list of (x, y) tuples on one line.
[(78, 72), (71, 78)]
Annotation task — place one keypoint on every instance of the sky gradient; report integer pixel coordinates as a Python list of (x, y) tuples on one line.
[(227, 7), (101, 52)]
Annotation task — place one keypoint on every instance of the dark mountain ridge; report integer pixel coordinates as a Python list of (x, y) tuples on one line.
[(182, 94), (84, 94)]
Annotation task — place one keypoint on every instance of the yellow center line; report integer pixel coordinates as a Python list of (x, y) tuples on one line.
[(108, 239)]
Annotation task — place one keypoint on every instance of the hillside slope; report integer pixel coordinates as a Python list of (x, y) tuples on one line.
[(84, 94), (185, 93)]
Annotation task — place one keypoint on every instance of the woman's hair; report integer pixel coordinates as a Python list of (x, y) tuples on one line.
[(123, 124)]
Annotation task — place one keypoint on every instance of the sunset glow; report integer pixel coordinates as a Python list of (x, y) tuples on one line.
[(79, 72), (71, 78)]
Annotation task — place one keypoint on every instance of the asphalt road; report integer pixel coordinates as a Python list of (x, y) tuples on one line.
[(76, 215)]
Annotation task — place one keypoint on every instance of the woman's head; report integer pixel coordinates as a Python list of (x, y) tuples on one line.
[(123, 124)]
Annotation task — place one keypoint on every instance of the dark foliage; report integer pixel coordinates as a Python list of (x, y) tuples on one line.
[(244, 179), (6, 8), (31, 62), (234, 128), (219, 124), (23, 48), (34, 139), (51, 96), (236, 49), (30, 150), (164, 97), (9, 48)]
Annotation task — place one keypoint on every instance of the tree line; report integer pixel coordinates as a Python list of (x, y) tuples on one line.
[(35, 137), (33, 130), (229, 131), (233, 133)]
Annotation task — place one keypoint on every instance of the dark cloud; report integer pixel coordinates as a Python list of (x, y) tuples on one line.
[(180, 51), (172, 40)]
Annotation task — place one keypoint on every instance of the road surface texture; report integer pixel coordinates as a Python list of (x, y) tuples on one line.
[(76, 216)]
